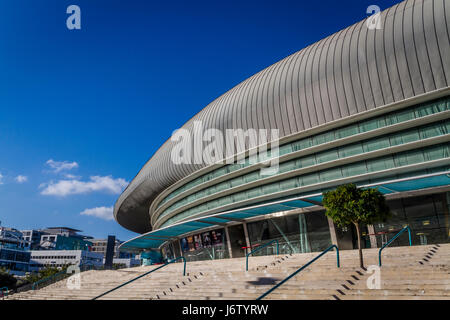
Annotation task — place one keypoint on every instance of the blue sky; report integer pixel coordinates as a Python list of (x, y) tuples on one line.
[(81, 111)]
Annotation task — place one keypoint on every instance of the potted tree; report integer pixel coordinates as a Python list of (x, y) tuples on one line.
[(348, 204)]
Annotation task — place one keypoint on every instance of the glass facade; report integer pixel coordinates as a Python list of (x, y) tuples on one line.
[(314, 168), (385, 163), (393, 118), (296, 233), (13, 254), (17, 260), (426, 215)]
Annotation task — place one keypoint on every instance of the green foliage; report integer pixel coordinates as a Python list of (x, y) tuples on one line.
[(44, 273), (7, 280), (117, 266), (347, 204)]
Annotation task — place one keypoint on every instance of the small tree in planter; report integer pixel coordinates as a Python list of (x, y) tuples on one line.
[(347, 204)]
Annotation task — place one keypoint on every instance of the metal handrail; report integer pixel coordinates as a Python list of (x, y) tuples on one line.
[(53, 276), (306, 265), (393, 238), (259, 248), (143, 275)]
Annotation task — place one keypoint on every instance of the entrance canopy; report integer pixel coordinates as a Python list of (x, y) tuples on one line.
[(155, 239)]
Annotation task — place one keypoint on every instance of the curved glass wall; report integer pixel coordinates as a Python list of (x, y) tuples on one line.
[(392, 161), (296, 233), (338, 153), (411, 113), (427, 216)]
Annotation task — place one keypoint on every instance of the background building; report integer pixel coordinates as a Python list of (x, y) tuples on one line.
[(33, 238), (363, 106), (57, 238), (99, 246), (13, 254), (60, 258), (32, 250)]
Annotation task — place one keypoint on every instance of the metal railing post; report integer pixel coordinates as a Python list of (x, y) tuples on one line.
[(49, 278), (259, 248), (302, 268), (143, 275), (338, 260), (184, 262), (391, 240)]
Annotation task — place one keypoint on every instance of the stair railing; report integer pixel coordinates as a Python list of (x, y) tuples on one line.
[(302, 268), (391, 240), (259, 248), (60, 276), (49, 280), (143, 275)]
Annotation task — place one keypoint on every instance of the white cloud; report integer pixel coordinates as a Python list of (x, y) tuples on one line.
[(21, 179), (1, 178), (71, 176), (105, 213), (75, 186), (59, 166)]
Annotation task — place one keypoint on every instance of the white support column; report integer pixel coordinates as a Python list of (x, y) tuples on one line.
[(247, 239), (181, 249), (227, 234), (372, 236), (332, 231)]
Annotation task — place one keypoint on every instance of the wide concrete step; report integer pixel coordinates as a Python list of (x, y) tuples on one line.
[(402, 277)]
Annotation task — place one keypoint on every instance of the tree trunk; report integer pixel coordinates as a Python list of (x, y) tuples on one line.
[(361, 261)]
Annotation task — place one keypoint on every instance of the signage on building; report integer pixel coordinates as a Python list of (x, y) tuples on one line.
[(202, 240)]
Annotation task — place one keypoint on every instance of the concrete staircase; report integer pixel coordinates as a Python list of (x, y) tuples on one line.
[(419, 272)]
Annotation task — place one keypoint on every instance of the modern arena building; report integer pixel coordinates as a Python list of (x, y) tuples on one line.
[(369, 106)]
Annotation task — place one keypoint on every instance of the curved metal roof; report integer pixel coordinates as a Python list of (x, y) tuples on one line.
[(349, 72)]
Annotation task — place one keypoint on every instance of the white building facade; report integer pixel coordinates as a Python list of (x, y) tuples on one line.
[(59, 258)]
